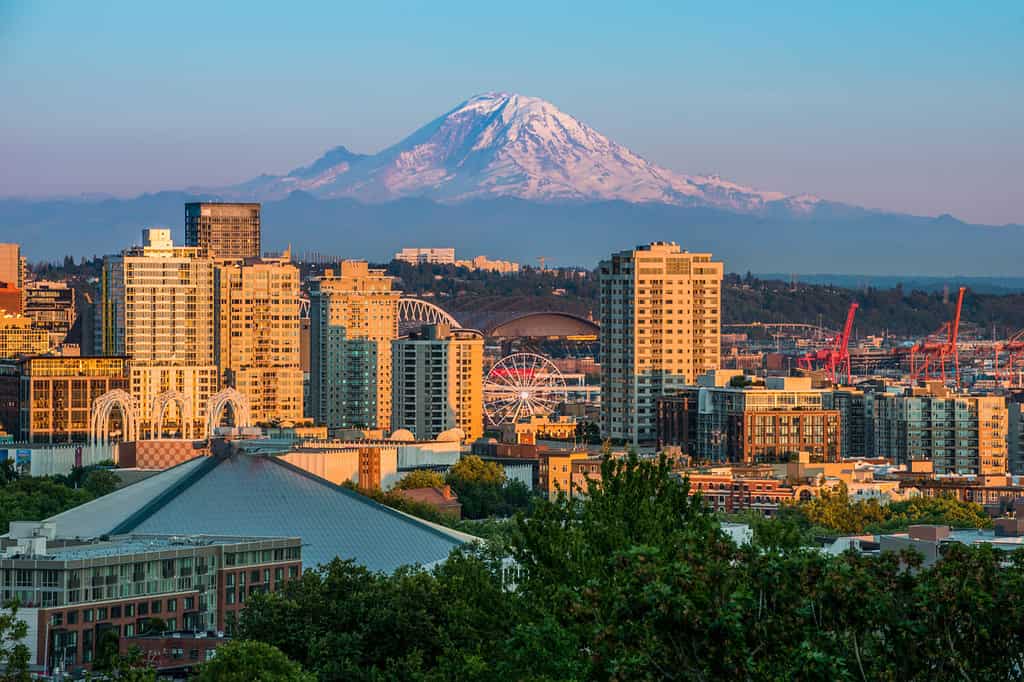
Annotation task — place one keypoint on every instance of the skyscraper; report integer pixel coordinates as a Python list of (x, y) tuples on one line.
[(223, 231), (158, 310), (438, 382), (257, 334), (353, 320), (660, 322)]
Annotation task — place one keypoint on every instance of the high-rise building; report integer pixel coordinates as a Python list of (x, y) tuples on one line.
[(960, 434), (257, 335), (353, 320), (12, 299), (415, 256), (57, 394), (438, 382), (51, 305), (660, 322), (12, 265), (19, 337), (157, 309), (223, 231)]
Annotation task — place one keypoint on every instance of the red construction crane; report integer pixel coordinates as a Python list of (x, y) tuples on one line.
[(1014, 349), (929, 357), (835, 359)]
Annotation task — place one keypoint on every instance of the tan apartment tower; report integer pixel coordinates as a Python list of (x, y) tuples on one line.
[(223, 231), (660, 323), (157, 309), (353, 320), (438, 382), (257, 334)]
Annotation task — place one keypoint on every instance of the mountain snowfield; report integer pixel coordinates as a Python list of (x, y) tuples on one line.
[(508, 145)]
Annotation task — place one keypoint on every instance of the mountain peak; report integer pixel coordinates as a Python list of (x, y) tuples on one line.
[(507, 144)]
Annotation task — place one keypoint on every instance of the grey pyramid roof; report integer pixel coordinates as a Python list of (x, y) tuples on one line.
[(263, 496)]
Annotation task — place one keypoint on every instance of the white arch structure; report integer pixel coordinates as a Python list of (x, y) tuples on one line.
[(412, 312), (160, 404), (219, 402), (99, 420)]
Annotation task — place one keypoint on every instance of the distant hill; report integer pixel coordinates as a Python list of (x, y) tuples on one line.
[(567, 233)]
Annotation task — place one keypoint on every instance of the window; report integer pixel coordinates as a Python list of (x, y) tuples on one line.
[(72, 617), (57, 619), (172, 605), (129, 630), (115, 612), (87, 615), (190, 603), (293, 571), (156, 606), (230, 597), (129, 610), (101, 614), (143, 609)]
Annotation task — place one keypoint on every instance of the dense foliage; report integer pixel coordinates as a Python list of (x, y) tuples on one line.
[(29, 498), (835, 512), (638, 583), (484, 491), (242, 661), (421, 478)]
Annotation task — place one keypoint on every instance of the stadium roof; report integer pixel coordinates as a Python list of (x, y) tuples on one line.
[(262, 496)]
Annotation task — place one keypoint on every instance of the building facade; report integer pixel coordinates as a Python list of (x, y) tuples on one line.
[(19, 337), (56, 395), (416, 256), (438, 382), (12, 265), (51, 305), (353, 320), (158, 309), (257, 335), (222, 230), (660, 322), (960, 434), (729, 420), (75, 593)]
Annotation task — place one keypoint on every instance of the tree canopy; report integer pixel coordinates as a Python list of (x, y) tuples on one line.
[(249, 661), (637, 582)]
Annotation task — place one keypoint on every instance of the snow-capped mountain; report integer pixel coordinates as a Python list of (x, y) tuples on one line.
[(498, 145)]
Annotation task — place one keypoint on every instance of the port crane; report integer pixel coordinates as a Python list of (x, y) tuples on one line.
[(834, 358), (930, 357)]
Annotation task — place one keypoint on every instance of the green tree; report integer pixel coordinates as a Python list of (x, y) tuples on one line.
[(14, 654), (421, 478), (249, 661), (472, 469), (100, 482)]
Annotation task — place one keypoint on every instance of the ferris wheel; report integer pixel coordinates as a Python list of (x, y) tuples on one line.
[(522, 385)]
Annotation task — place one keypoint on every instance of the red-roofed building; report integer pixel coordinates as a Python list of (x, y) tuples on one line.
[(441, 499)]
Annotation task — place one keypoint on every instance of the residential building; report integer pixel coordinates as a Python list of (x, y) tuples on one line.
[(222, 230), (353, 320), (13, 269), (56, 395), (960, 434), (855, 421), (660, 322), (438, 382), (72, 592), (728, 419), (1015, 433), (567, 472), (19, 337), (158, 309), (257, 335), (51, 305), (416, 256), (485, 264)]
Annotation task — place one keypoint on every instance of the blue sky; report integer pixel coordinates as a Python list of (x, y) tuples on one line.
[(910, 106)]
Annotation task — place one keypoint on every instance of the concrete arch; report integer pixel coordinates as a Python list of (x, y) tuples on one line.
[(99, 420), (219, 402), (160, 404)]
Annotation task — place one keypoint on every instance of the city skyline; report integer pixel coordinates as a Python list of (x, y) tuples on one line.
[(794, 91)]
